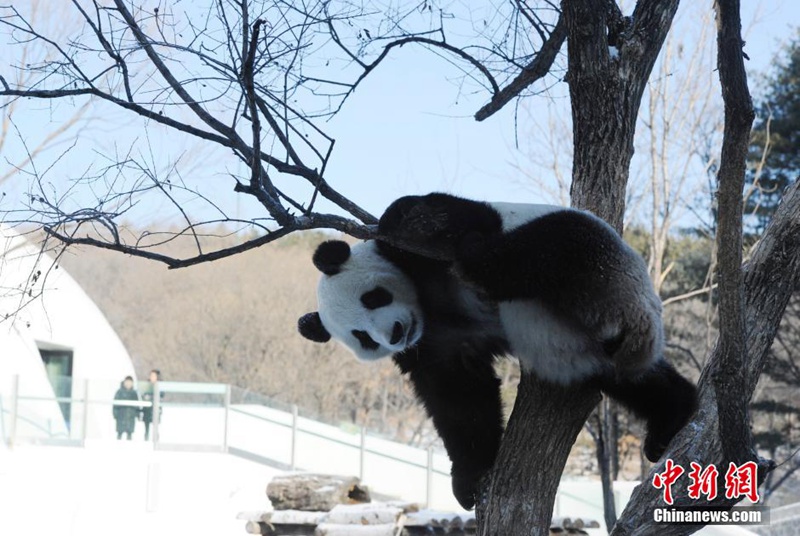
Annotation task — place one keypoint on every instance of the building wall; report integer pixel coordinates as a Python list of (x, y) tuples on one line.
[(41, 306)]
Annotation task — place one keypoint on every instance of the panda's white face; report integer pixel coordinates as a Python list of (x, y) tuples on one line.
[(370, 305)]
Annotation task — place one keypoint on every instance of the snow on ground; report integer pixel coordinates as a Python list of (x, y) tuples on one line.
[(126, 488)]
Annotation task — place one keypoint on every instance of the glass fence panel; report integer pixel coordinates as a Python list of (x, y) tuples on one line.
[(43, 409), (260, 426), (260, 431), (217, 417), (6, 404), (191, 414)]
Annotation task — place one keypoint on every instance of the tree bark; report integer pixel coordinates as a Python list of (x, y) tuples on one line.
[(732, 400), (608, 457), (519, 497), (606, 93)]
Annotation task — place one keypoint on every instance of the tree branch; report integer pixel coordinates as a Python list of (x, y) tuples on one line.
[(316, 221), (739, 115), (532, 72)]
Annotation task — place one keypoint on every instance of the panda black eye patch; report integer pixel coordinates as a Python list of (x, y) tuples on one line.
[(366, 341), (376, 298)]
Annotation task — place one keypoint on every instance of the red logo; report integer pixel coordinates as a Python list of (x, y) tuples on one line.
[(667, 478), (740, 481)]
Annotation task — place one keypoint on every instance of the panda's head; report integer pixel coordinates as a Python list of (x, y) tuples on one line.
[(364, 301)]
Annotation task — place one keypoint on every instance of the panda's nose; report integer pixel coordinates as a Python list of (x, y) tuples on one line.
[(397, 333)]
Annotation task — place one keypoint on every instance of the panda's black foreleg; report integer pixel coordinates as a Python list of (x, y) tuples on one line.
[(661, 396), (462, 396)]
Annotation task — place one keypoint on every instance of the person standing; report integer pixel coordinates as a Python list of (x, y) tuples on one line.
[(125, 415), (147, 396)]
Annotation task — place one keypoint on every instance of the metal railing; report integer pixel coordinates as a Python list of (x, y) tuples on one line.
[(231, 428)]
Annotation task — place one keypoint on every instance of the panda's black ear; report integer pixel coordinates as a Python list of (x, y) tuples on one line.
[(310, 326), (330, 256)]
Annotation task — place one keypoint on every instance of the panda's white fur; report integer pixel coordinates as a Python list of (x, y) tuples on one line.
[(341, 311), (516, 214), (555, 351)]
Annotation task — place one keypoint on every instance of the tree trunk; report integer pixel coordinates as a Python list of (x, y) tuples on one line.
[(608, 458), (732, 399), (519, 498), (605, 93), (769, 281)]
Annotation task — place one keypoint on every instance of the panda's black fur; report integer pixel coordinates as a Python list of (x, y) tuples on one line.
[(479, 299)]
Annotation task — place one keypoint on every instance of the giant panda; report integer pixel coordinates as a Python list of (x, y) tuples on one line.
[(555, 287)]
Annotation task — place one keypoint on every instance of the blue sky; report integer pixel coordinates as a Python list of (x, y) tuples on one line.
[(408, 129)]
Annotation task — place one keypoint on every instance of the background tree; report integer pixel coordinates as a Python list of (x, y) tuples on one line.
[(774, 164), (774, 154), (242, 77)]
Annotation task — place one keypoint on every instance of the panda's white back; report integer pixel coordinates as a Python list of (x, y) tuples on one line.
[(516, 214)]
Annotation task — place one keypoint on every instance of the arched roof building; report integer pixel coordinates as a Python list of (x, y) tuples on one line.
[(54, 342)]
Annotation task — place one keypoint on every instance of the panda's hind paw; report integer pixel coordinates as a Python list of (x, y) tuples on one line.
[(421, 222), (654, 446)]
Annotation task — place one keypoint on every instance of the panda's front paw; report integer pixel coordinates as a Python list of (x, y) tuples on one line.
[(466, 485)]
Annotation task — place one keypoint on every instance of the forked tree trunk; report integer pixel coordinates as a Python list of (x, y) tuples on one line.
[(606, 92)]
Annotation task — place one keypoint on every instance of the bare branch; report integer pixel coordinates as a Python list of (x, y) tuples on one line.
[(532, 72)]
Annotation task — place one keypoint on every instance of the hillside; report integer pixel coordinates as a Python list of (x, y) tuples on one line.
[(233, 321)]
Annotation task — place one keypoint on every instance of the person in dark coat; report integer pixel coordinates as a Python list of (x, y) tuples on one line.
[(147, 396), (126, 415)]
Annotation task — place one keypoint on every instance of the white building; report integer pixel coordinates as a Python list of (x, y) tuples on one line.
[(53, 339)]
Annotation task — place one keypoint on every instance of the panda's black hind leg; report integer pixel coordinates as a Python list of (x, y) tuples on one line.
[(661, 396), (437, 223)]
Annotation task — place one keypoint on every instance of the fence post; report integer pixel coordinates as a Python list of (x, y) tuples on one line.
[(156, 412), (12, 429), (429, 478), (227, 416), (85, 416), (361, 452), (293, 454)]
